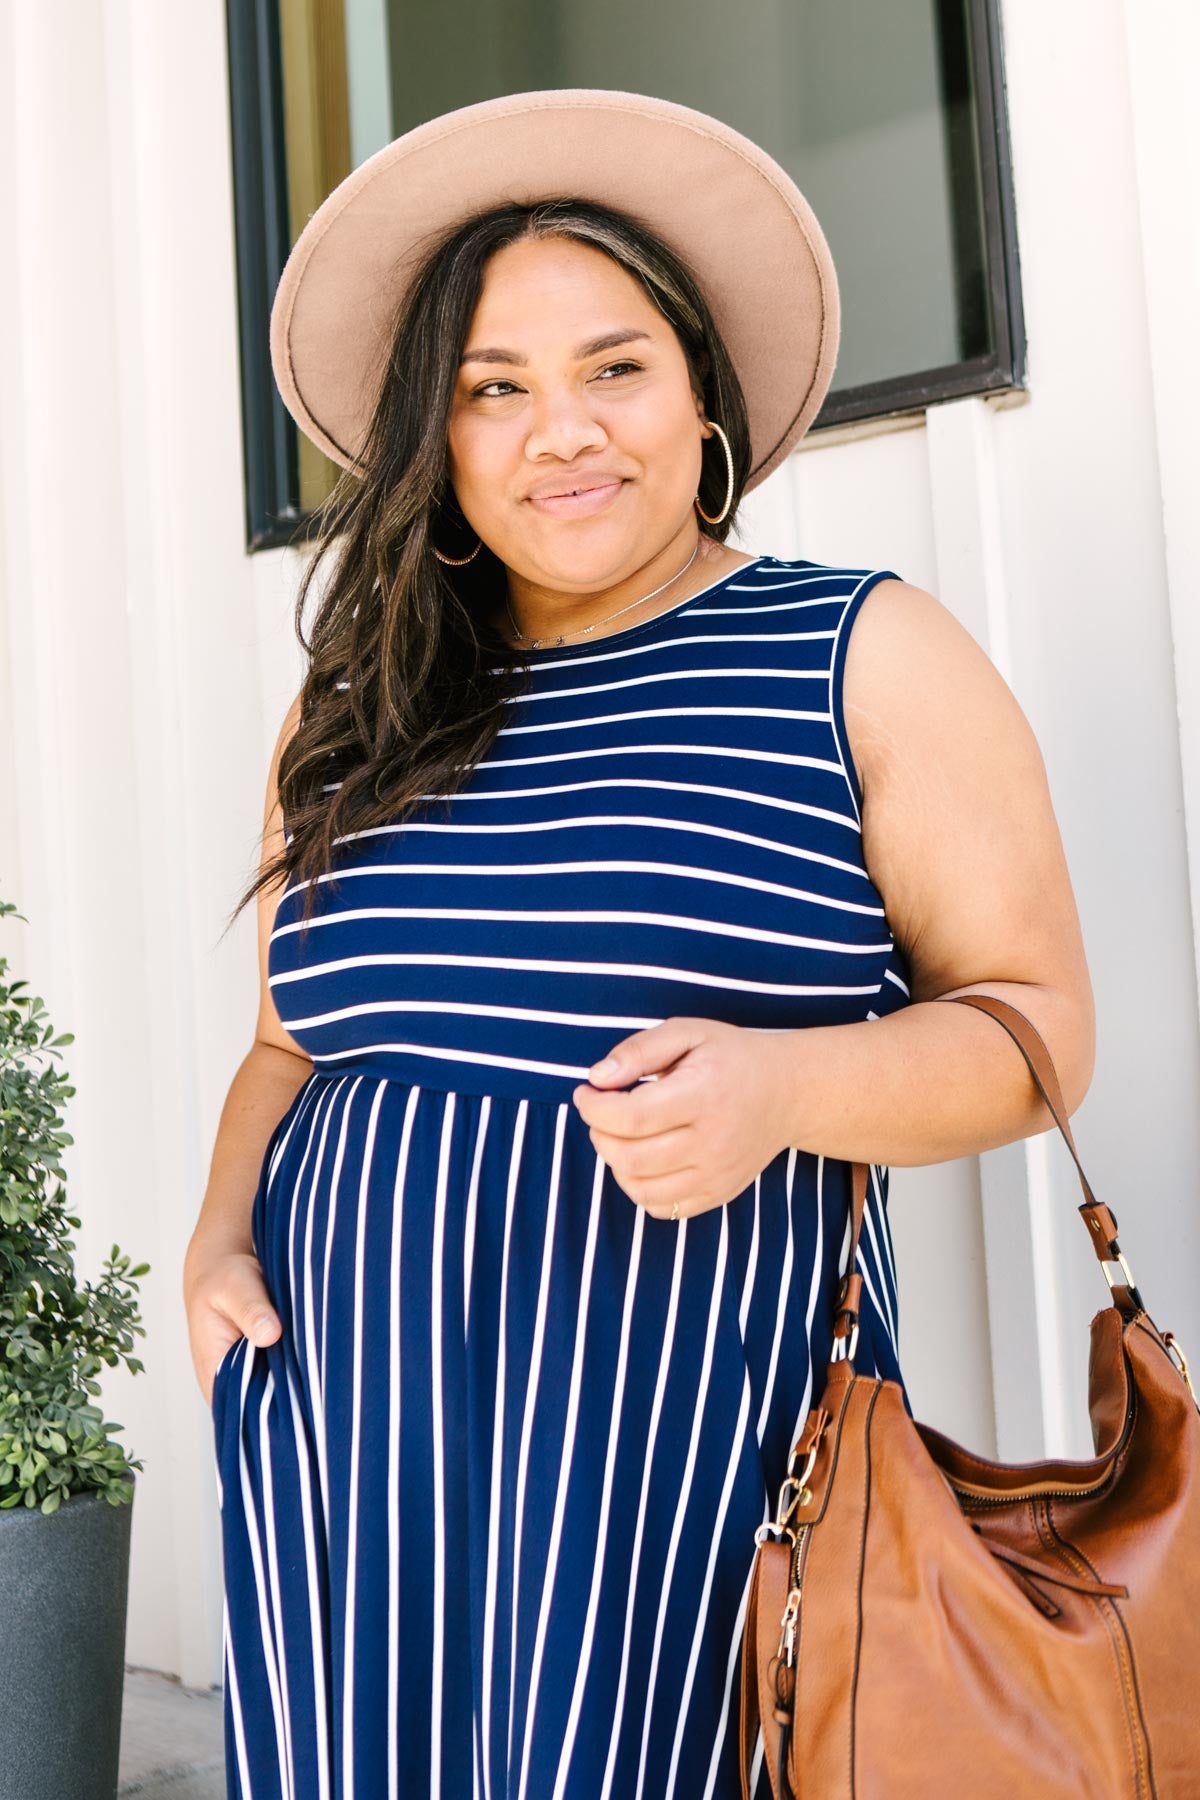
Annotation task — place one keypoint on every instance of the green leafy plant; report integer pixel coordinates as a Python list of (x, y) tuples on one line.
[(54, 1334)]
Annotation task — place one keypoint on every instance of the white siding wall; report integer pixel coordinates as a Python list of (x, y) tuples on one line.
[(146, 661)]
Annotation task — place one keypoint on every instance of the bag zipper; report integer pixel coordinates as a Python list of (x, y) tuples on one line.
[(982, 1497), (791, 1611), (977, 1498)]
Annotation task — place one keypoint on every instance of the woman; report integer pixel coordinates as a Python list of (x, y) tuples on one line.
[(609, 873)]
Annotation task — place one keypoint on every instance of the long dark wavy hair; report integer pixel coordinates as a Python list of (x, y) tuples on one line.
[(406, 682)]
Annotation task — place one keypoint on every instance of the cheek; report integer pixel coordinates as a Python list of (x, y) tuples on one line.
[(667, 435), (475, 460)]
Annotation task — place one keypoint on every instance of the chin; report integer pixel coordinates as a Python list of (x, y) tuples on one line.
[(583, 558)]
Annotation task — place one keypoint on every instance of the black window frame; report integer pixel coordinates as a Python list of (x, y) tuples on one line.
[(262, 242)]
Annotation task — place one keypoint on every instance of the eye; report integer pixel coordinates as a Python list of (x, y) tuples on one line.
[(488, 390), (619, 365)]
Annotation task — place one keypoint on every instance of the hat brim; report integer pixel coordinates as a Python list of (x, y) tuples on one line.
[(715, 197)]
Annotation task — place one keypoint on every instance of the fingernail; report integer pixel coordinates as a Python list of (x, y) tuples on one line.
[(607, 1065)]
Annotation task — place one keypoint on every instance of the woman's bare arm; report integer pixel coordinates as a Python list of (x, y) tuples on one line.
[(223, 1288), (960, 838)]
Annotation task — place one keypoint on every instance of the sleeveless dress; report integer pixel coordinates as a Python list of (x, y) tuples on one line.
[(488, 1504)]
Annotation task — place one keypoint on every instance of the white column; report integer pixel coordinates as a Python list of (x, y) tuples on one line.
[(1164, 53), (1018, 1195), (131, 714)]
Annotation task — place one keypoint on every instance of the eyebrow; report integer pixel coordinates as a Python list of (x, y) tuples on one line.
[(593, 346)]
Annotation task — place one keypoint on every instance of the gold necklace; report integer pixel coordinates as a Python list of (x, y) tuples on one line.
[(536, 643)]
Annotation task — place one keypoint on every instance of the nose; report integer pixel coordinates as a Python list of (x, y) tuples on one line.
[(563, 426)]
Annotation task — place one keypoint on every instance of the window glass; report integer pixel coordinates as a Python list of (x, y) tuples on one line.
[(866, 103)]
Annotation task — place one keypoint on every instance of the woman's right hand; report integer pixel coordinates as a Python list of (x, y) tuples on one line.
[(226, 1298)]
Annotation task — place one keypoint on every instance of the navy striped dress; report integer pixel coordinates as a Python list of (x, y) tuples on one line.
[(488, 1505)]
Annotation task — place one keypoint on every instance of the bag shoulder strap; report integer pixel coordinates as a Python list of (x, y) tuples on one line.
[(1100, 1221)]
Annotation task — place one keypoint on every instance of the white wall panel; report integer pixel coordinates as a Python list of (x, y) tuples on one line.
[(1092, 661), (1164, 53)]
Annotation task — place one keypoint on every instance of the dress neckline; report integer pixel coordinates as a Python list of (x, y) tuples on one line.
[(551, 652)]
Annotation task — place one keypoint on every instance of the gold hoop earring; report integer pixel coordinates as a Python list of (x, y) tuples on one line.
[(458, 561), (729, 479)]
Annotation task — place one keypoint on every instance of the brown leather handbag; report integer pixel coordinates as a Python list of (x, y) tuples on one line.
[(923, 1621)]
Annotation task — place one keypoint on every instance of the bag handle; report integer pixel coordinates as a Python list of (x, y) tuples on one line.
[(1101, 1222)]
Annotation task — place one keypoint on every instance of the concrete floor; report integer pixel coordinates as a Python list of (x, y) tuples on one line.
[(172, 1739)]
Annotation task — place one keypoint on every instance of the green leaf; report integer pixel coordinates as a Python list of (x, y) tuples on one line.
[(57, 1331)]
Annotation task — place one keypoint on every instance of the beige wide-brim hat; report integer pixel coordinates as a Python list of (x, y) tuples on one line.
[(715, 197)]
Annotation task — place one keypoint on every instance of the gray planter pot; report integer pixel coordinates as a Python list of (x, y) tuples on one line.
[(64, 1588)]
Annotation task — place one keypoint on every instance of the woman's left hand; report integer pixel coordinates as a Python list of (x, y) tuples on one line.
[(699, 1133)]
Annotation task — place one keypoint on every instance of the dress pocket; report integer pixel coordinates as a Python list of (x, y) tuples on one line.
[(218, 1386)]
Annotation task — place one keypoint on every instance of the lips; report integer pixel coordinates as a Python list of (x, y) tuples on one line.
[(578, 487), (580, 501)]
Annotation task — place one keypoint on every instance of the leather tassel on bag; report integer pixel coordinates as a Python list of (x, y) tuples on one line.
[(925, 1621)]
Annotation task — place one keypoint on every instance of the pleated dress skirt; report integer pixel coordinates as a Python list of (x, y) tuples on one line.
[(488, 1504)]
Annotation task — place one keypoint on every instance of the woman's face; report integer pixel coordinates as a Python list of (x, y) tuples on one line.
[(572, 378)]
